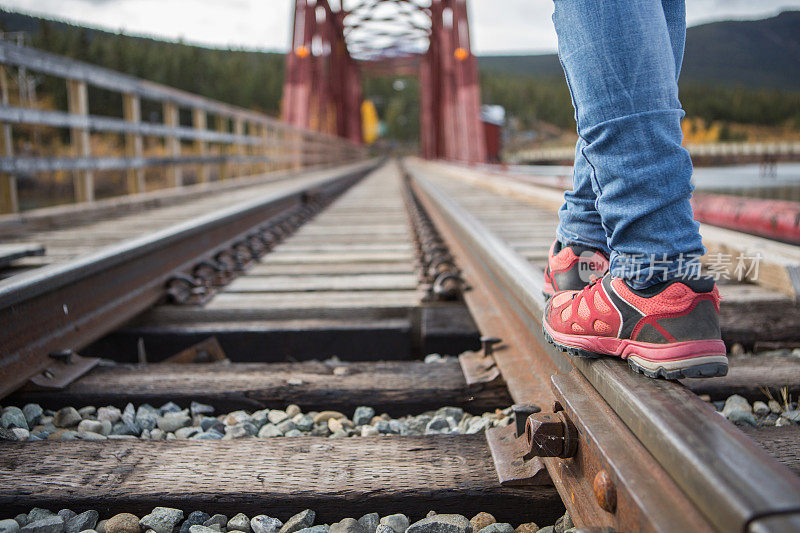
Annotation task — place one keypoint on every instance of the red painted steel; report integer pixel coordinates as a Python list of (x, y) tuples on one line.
[(774, 219), (322, 90)]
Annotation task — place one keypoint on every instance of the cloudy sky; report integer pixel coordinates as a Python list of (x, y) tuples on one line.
[(498, 25)]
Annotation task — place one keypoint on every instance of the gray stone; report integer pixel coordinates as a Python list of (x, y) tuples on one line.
[(498, 527), (121, 428), (321, 528), (129, 419), (208, 435), (112, 414), (86, 412), (385, 428), (33, 414), (760, 409), (293, 410), (265, 524), (437, 424), (171, 422), (90, 436), (208, 422), (370, 522), (169, 407), (22, 519), (94, 426), (197, 408), (347, 525), (546, 529), (162, 519), (186, 433), (240, 522), (259, 418), (736, 403), (398, 522), (383, 528), (441, 523), (238, 431), (743, 418), (286, 425), (100, 527), (276, 416), (565, 522), (269, 430), (83, 521), (369, 431), (196, 518), (293, 433), (8, 434), (476, 425), (218, 520), (37, 513), (146, 417), (20, 433), (304, 423), (775, 407), (9, 526), (197, 528), (13, 417), (455, 412), (51, 524), (299, 521), (363, 415)]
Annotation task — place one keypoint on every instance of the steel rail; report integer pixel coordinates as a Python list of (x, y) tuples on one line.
[(734, 483), (69, 305)]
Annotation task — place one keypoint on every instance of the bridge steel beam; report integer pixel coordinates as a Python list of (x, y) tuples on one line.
[(450, 95), (322, 88)]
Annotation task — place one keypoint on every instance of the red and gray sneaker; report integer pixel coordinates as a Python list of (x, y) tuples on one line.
[(669, 330), (571, 268)]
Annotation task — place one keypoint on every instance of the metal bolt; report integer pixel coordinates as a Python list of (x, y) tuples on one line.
[(605, 492), (65, 356), (551, 435), (521, 414), (488, 344)]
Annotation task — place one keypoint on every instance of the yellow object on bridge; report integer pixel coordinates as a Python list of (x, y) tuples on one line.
[(370, 123)]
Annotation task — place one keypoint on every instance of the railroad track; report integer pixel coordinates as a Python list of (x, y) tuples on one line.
[(311, 311)]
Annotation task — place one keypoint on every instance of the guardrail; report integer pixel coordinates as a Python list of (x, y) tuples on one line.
[(241, 141), (778, 149)]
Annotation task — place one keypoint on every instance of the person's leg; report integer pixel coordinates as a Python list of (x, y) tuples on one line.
[(620, 64), (579, 221), (621, 59), (675, 15)]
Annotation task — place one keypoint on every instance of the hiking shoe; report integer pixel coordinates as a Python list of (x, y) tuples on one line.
[(571, 268), (669, 330)]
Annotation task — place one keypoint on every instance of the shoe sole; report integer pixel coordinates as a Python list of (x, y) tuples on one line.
[(700, 365)]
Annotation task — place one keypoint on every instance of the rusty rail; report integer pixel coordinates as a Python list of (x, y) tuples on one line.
[(237, 142), (710, 475), (66, 306)]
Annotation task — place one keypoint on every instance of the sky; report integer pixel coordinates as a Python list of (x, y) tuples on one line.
[(498, 26)]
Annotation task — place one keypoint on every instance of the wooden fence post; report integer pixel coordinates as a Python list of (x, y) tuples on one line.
[(132, 112), (224, 148), (199, 123), (78, 104), (238, 129), (173, 145), (9, 202)]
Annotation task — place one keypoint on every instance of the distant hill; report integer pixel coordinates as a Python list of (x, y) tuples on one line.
[(753, 53)]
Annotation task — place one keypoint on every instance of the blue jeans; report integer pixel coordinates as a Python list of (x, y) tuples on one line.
[(632, 177)]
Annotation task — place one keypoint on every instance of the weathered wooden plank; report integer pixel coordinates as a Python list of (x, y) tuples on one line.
[(747, 376), (335, 477), (337, 257), (782, 443), (363, 282), (396, 387), (331, 269), (14, 251)]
